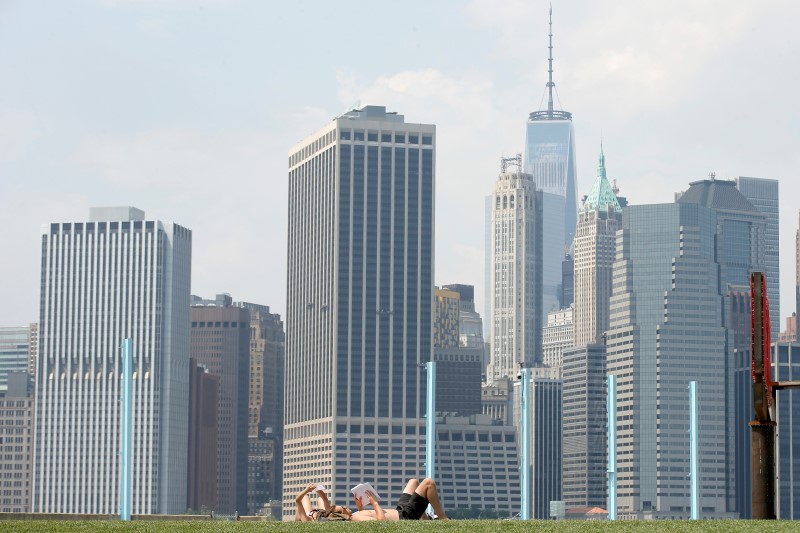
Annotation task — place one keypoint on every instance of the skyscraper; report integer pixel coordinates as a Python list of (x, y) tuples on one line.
[(550, 159), (516, 276), (220, 341), (584, 373), (359, 303), (117, 275), (666, 330), (265, 424), (595, 249), (15, 351), (786, 367), (764, 195)]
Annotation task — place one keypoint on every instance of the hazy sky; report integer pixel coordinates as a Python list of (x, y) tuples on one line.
[(186, 109)]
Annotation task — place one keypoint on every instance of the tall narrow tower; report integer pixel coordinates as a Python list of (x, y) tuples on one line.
[(516, 275), (359, 303), (596, 231), (550, 159)]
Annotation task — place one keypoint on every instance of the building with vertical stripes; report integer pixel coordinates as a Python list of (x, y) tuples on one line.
[(516, 278), (115, 276), (359, 304)]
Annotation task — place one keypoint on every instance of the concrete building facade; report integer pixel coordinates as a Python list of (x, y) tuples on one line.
[(114, 276), (516, 277), (359, 303), (16, 444)]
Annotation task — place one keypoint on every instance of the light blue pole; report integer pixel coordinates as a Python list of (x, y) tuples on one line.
[(430, 422), (611, 407), (430, 425), (693, 456), (525, 464), (126, 435)]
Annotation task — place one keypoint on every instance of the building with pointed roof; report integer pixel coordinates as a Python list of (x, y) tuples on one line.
[(598, 221), (550, 158), (583, 366)]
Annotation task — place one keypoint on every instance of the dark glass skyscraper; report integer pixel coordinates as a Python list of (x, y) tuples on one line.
[(359, 303), (763, 194), (550, 159)]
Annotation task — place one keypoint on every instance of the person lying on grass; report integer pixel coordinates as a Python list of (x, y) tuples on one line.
[(410, 506), (324, 509)]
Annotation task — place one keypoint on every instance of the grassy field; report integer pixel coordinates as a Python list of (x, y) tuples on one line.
[(461, 526)]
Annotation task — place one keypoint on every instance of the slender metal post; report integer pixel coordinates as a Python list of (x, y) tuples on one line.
[(525, 445), (126, 434), (693, 452), (611, 408), (430, 424)]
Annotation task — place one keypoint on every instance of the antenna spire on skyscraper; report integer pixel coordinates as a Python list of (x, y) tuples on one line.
[(550, 83), (550, 113)]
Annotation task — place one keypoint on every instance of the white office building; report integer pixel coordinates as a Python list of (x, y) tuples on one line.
[(115, 276), (516, 277)]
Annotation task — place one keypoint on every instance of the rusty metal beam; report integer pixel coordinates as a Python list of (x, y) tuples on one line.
[(763, 470)]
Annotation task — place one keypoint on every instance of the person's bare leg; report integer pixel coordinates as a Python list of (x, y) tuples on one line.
[(428, 489), (411, 486)]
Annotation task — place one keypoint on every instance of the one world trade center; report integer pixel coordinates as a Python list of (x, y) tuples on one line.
[(550, 158)]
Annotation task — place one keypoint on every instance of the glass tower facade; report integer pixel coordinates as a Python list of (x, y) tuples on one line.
[(763, 194), (786, 367), (665, 331), (359, 303), (550, 159)]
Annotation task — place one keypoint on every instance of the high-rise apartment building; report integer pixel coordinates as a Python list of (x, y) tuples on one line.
[(115, 276), (17, 350), (665, 331), (550, 158), (220, 341), (359, 303), (516, 279), (764, 195), (595, 249)]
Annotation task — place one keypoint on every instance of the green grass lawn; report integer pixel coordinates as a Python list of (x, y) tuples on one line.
[(453, 526)]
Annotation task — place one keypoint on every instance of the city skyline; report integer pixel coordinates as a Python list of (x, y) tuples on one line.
[(182, 98)]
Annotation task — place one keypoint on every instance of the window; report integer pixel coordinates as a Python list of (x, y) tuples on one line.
[(344, 135)]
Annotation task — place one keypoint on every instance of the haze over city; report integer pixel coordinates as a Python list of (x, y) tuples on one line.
[(187, 110)]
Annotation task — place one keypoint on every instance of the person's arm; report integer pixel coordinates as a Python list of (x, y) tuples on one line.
[(326, 504), (302, 512), (379, 514)]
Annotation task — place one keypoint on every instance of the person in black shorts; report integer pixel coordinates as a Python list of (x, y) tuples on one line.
[(410, 506)]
